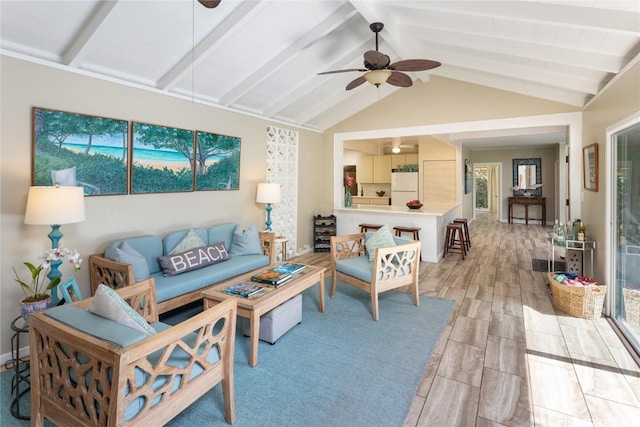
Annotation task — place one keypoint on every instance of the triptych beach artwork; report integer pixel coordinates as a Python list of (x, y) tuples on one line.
[(111, 156)]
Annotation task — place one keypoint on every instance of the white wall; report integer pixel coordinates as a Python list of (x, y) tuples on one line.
[(24, 85)]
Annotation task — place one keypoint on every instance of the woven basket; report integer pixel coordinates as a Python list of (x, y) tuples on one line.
[(579, 301), (632, 305)]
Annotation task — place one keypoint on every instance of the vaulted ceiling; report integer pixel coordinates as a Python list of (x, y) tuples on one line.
[(262, 57)]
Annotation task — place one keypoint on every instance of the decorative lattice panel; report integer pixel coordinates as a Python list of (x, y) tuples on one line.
[(282, 167)]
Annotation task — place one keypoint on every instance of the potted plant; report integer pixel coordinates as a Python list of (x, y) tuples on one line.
[(37, 295)]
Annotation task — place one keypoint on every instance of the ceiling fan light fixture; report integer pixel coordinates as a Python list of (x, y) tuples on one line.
[(395, 150), (377, 77)]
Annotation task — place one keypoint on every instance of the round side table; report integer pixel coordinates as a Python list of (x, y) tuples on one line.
[(20, 383)]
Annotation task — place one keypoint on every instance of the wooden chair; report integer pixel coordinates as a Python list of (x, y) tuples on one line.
[(78, 379), (393, 267)]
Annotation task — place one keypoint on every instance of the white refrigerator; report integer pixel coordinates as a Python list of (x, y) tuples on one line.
[(404, 187)]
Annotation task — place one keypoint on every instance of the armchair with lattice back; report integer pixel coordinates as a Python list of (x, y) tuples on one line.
[(91, 371), (392, 267)]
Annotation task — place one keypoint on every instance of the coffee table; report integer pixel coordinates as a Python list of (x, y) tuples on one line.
[(255, 306)]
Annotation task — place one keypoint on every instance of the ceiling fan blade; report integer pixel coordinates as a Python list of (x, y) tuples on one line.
[(355, 83), (399, 79), (414, 65), (376, 59), (344, 71), (210, 4)]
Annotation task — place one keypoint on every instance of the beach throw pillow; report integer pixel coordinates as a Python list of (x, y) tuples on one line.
[(107, 303), (193, 259), (246, 242), (126, 254), (190, 241), (382, 238)]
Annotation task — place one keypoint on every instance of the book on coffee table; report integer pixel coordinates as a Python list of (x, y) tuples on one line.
[(244, 289), (271, 277), (290, 268)]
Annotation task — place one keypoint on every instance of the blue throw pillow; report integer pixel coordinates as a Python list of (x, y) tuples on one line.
[(126, 254), (380, 239), (246, 242)]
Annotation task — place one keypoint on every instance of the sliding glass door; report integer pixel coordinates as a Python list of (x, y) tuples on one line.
[(625, 215)]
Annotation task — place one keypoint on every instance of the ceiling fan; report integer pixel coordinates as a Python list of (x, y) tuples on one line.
[(209, 4), (397, 145), (378, 69)]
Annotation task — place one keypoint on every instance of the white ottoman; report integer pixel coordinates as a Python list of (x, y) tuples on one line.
[(275, 323)]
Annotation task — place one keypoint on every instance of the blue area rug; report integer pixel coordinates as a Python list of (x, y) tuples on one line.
[(337, 368)]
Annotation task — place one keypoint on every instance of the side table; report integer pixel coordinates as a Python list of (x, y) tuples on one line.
[(582, 246), (20, 383), (282, 240)]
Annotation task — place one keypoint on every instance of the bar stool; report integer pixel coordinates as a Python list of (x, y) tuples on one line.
[(413, 230), (366, 227), (465, 228), (454, 241)]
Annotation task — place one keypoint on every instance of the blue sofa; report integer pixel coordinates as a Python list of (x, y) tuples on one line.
[(180, 289)]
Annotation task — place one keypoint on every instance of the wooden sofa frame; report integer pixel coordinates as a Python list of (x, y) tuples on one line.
[(393, 267), (117, 274), (60, 355)]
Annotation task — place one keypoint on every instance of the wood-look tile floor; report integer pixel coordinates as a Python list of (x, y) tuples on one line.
[(507, 357)]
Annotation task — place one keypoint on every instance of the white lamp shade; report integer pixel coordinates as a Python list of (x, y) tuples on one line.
[(54, 205), (377, 77), (268, 193)]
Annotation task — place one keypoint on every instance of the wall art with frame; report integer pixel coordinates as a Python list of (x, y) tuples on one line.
[(162, 159), (217, 161), (467, 176), (590, 167), (77, 149)]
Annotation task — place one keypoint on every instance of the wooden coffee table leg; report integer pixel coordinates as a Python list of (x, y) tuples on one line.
[(255, 335)]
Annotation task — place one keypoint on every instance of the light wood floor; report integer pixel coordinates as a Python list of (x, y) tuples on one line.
[(507, 358)]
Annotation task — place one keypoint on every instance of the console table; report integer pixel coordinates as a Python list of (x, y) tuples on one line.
[(526, 202)]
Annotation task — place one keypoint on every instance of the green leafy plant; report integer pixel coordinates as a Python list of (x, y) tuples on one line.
[(38, 288)]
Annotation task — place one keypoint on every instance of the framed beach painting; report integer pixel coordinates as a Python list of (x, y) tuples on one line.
[(217, 161), (79, 150), (162, 159)]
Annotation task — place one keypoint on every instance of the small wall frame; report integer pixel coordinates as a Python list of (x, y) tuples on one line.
[(590, 167), (70, 291)]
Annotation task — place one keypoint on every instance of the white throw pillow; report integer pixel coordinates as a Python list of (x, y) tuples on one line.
[(107, 303)]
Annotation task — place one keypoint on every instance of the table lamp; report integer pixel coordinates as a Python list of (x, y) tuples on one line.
[(268, 193), (54, 206)]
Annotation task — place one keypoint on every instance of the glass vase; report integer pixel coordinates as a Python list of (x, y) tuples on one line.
[(347, 200)]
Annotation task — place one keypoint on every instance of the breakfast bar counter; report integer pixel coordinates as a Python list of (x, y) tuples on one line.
[(432, 219)]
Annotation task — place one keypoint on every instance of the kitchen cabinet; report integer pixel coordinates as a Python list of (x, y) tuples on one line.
[(381, 169), (371, 200), (373, 169), (364, 169), (439, 181), (400, 160)]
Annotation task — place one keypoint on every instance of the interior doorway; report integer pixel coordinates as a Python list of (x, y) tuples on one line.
[(487, 189)]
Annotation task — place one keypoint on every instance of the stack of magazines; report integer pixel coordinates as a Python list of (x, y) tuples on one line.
[(244, 289), (278, 275)]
